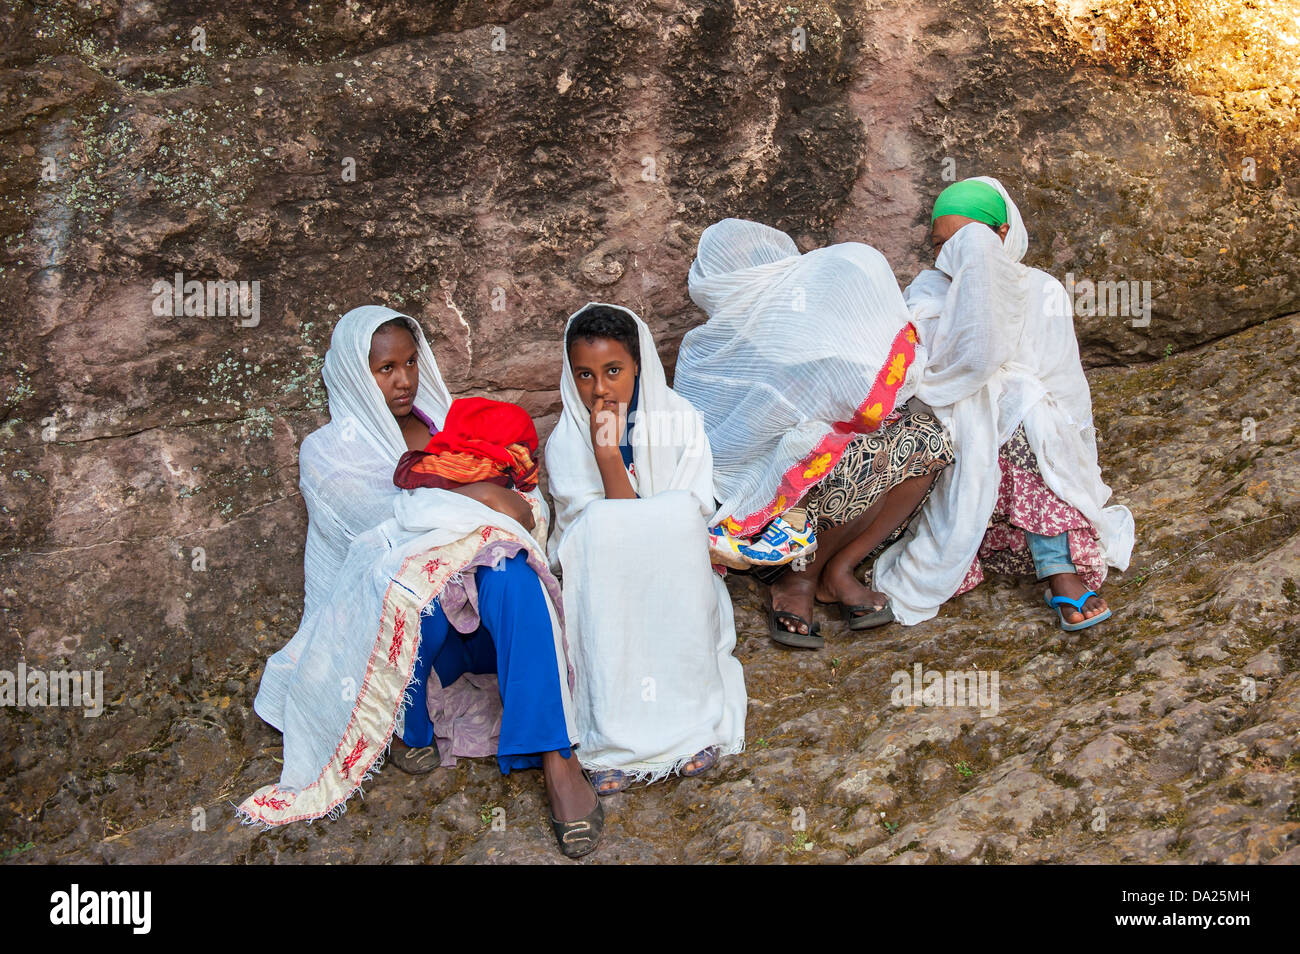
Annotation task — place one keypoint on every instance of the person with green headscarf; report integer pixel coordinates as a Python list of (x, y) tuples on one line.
[(1001, 370), (964, 202)]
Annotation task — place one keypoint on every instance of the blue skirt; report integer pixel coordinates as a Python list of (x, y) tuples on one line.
[(514, 641)]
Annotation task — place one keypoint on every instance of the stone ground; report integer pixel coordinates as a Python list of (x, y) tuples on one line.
[(1170, 734)]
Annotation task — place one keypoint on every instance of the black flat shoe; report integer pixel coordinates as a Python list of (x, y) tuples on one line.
[(809, 640), (578, 838), (419, 761)]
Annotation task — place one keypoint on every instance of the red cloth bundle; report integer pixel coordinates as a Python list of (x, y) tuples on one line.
[(482, 440)]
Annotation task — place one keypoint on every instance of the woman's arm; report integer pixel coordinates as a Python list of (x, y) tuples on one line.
[(613, 474), (609, 459)]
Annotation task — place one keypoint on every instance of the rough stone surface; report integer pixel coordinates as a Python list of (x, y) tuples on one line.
[(495, 191)]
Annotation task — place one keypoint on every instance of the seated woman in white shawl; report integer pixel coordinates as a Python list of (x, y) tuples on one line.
[(657, 689), (1001, 370), (801, 374), (401, 584)]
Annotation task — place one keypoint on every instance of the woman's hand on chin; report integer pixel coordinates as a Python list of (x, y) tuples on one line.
[(501, 500)]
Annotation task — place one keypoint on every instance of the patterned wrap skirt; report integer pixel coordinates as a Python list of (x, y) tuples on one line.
[(908, 444), (1024, 503)]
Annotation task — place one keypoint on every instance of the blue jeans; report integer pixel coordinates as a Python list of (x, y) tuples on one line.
[(1051, 554), (514, 641)]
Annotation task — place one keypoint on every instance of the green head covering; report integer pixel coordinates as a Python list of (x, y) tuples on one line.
[(975, 200)]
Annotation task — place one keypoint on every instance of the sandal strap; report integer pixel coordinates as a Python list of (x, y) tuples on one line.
[(575, 831), (601, 778), (702, 761), (1077, 604)]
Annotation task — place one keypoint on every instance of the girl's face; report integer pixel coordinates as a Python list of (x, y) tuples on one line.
[(605, 373), (393, 363)]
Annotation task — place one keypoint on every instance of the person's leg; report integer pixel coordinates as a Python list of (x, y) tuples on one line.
[(1052, 563), (837, 583), (1051, 555), (512, 606), (875, 488), (794, 590), (418, 730), (840, 550), (416, 751)]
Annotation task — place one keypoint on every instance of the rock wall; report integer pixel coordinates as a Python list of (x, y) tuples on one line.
[(487, 167)]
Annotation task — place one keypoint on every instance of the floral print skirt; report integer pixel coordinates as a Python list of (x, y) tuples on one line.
[(1025, 504)]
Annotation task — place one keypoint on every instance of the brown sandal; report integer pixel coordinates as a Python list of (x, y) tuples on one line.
[(419, 761)]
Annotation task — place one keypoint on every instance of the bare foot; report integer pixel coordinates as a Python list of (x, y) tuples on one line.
[(844, 587), (793, 593), (1069, 584), (570, 794)]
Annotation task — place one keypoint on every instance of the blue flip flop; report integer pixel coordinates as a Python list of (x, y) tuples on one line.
[(1056, 602)]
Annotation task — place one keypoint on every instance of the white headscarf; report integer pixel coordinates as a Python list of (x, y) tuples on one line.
[(1017, 241), (997, 350), (794, 345), (346, 467), (337, 686), (970, 308), (669, 447), (353, 391), (642, 606)]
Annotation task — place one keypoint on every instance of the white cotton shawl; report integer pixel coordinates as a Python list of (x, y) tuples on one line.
[(649, 623), (997, 350), (344, 467), (793, 345), (361, 530)]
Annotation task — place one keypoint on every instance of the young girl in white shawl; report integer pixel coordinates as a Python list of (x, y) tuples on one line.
[(1001, 370), (404, 583), (649, 622)]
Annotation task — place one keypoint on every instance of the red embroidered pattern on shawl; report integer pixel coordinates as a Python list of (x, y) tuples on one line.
[(266, 801), (399, 633), (351, 760)]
